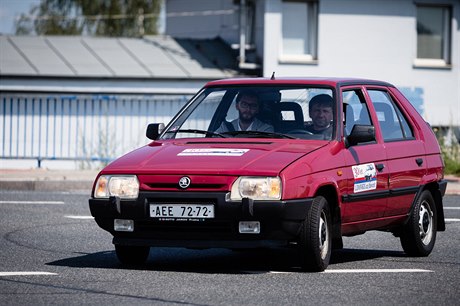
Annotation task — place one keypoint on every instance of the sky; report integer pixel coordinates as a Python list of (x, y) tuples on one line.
[(10, 10)]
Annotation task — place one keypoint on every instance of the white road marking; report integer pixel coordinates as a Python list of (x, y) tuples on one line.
[(351, 271), (79, 217), (33, 202), (452, 220), (26, 273), (452, 208), (376, 271)]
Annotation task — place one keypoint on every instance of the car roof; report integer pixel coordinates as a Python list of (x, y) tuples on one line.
[(323, 81)]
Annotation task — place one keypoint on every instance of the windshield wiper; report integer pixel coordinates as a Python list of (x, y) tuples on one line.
[(196, 131), (259, 133)]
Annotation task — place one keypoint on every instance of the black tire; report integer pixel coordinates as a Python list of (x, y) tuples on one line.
[(419, 234), (315, 237), (132, 255)]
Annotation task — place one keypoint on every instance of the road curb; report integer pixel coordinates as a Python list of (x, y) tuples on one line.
[(67, 185)]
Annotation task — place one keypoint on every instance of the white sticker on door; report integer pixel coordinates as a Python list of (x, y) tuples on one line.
[(365, 177)]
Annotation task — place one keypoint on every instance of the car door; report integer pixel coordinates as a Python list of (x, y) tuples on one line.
[(365, 170), (404, 149)]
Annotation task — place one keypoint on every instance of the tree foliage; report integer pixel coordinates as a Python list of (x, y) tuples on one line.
[(126, 18)]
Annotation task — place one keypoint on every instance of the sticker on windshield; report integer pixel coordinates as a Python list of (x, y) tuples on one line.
[(213, 152), (365, 177)]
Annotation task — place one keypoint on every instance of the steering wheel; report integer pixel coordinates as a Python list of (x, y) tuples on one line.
[(300, 131)]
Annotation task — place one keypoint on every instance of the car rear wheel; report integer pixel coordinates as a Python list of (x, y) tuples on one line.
[(132, 255), (315, 238), (419, 234)]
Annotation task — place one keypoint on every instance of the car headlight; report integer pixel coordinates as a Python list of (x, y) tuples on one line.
[(256, 188), (123, 186)]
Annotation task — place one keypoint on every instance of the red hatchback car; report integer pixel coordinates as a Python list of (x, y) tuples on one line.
[(251, 163)]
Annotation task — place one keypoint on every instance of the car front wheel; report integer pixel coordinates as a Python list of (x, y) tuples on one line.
[(132, 255), (419, 234), (315, 238)]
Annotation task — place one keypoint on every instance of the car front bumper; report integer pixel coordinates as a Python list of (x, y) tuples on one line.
[(280, 221)]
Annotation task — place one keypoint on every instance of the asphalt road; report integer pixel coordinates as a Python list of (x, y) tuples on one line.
[(52, 253)]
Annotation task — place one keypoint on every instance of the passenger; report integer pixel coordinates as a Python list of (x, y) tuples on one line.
[(248, 106), (321, 113)]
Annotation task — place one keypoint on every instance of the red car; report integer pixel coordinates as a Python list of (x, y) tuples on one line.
[(251, 163)]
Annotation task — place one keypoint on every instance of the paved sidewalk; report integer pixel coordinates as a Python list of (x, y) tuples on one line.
[(82, 180), (453, 184)]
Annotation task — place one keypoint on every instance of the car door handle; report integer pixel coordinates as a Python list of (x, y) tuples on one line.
[(419, 161), (380, 167)]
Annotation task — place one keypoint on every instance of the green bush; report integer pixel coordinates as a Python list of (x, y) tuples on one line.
[(451, 160), (450, 149)]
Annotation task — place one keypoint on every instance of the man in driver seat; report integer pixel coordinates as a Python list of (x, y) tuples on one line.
[(321, 114), (248, 106)]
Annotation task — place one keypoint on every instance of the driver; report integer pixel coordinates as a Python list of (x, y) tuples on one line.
[(248, 106), (321, 114)]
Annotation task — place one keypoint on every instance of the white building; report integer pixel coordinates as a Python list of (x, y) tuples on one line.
[(413, 44)]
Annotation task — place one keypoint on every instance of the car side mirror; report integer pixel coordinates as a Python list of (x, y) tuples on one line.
[(154, 130), (361, 133)]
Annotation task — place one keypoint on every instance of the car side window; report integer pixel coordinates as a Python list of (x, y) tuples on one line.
[(393, 124), (355, 110)]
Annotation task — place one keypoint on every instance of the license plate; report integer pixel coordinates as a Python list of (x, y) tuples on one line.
[(182, 211)]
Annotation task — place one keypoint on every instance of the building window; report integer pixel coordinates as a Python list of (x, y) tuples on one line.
[(299, 30), (433, 35)]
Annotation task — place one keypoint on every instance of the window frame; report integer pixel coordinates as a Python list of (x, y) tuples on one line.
[(311, 55), (446, 60)]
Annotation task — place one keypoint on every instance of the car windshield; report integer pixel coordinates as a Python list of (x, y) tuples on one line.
[(257, 112)]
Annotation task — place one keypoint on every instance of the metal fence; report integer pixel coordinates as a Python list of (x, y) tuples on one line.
[(79, 127)]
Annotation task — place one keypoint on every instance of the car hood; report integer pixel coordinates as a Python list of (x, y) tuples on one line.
[(242, 157)]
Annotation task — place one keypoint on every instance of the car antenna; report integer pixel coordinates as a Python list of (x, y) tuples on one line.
[(273, 76)]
